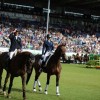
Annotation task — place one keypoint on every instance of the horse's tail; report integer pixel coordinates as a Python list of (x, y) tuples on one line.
[(28, 76)]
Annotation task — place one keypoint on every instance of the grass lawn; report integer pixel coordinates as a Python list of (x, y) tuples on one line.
[(76, 83)]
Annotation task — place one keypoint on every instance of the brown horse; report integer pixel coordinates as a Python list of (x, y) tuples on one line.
[(81, 59), (86, 58), (4, 60), (53, 67), (19, 65), (78, 59)]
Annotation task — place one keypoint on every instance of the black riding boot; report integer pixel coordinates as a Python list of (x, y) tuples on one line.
[(42, 66)]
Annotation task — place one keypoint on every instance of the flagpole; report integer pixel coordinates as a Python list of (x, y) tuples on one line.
[(48, 17)]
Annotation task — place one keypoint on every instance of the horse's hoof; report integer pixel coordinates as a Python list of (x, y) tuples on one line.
[(8, 96), (40, 89), (58, 94), (46, 92), (4, 93), (34, 90)]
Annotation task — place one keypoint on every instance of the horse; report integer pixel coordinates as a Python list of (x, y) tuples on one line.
[(4, 60), (53, 67), (19, 65), (86, 58), (78, 59)]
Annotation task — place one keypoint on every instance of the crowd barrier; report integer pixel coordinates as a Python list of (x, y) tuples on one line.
[(2, 49)]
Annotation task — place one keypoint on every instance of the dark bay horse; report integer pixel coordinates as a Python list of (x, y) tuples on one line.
[(78, 58), (4, 63), (81, 59), (86, 58), (53, 67), (19, 65), (4, 60)]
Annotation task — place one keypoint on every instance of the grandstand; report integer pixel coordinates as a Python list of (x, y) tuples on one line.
[(78, 22)]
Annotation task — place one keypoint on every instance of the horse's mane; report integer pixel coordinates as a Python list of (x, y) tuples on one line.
[(24, 54), (58, 50), (23, 57)]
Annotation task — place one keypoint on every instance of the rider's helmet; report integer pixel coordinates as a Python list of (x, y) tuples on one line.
[(48, 36)]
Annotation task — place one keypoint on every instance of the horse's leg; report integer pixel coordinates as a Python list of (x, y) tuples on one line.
[(24, 86), (39, 84), (46, 88), (10, 86), (35, 81), (5, 83), (57, 84), (1, 71)]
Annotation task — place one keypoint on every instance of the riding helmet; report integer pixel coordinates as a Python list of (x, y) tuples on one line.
[(48, 36)]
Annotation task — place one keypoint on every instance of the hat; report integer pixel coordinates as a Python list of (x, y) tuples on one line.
[(48, 36)]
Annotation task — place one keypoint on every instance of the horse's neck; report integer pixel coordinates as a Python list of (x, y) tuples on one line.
[(57, 56)]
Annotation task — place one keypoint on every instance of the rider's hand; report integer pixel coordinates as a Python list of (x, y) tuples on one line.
[(14, 30)]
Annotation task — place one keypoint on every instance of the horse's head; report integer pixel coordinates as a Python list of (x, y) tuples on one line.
[(25, 59), (29, 66), (61, 51), (30, 62)]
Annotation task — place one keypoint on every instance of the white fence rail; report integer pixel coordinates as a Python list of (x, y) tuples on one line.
[(2, 49)]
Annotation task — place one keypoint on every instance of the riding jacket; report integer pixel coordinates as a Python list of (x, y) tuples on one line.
[(15, 42), (47, 47)]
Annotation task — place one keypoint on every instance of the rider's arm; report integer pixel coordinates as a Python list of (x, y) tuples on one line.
[(43, 49), (52, 46), (11, 36)]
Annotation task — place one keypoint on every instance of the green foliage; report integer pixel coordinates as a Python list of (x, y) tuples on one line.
[(96, 57), (91, 63)]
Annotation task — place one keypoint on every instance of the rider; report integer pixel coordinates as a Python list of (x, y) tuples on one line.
[(48, 47), (16, 44)]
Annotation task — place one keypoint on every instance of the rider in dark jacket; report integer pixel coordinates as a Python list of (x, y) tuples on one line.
[(48, 47), (16, 43)]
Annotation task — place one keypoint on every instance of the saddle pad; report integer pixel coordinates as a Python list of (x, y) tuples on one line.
[(48, 59)]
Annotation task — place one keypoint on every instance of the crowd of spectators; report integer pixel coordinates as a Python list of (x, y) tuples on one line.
[(77, 40)]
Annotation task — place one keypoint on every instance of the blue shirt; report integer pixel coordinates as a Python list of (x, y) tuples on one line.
[(47, 46)]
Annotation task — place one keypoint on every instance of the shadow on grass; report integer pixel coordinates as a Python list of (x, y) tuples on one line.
[(27, 91), (31, 91)]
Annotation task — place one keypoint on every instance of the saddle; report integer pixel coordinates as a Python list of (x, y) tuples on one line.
[(44, 63), (47, 59)]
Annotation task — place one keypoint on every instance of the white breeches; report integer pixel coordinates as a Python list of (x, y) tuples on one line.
[(12, 53), (47, 54)]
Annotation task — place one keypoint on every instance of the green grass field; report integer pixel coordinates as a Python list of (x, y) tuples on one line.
[(76, 83)]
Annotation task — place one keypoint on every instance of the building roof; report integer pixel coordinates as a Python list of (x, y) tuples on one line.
[(87, 6)]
